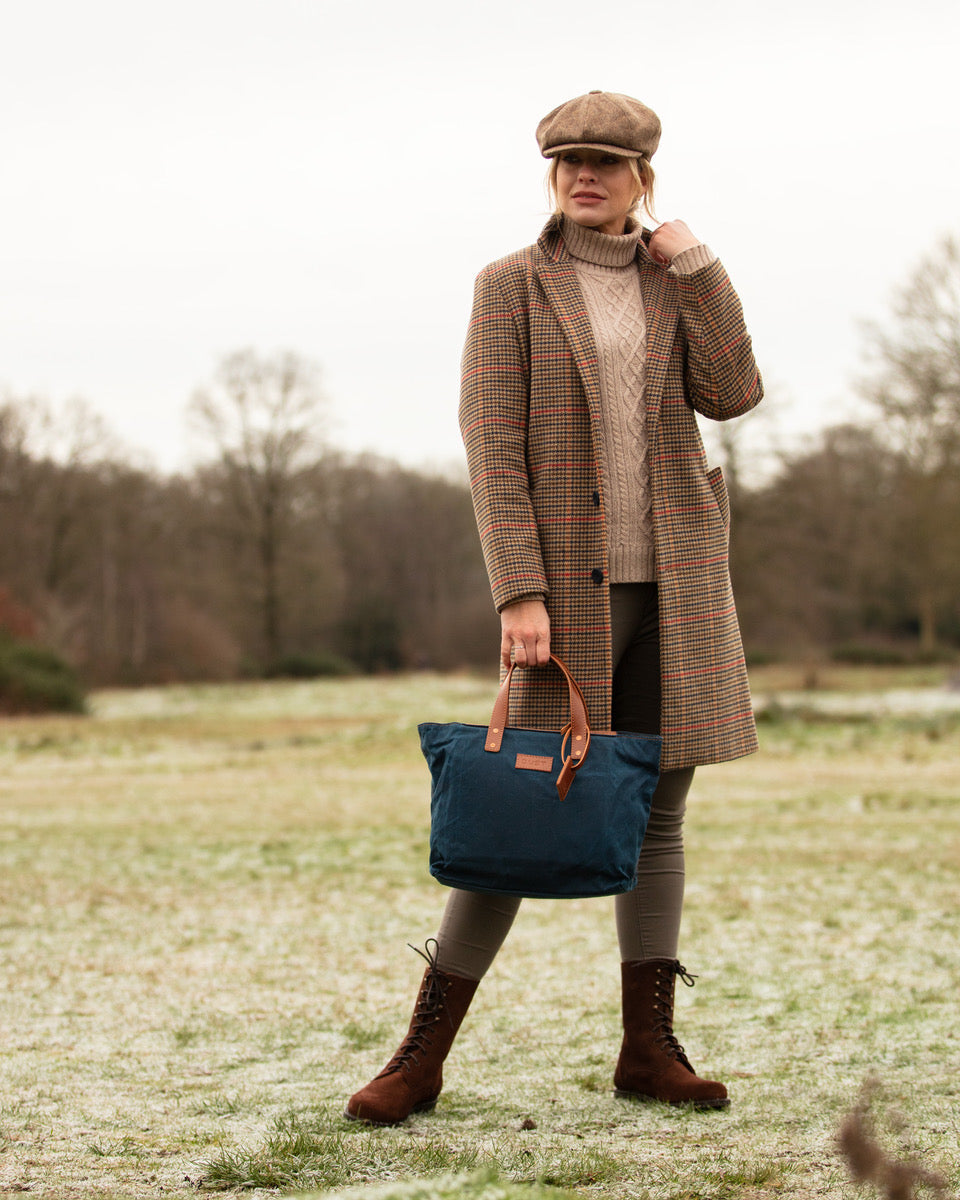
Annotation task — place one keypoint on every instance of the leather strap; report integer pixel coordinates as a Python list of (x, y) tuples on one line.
[(576, 733)]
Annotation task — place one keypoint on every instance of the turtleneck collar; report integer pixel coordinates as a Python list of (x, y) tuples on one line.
[(603, 249)]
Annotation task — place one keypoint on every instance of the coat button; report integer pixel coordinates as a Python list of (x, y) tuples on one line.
[(596, 499), (596, 575)]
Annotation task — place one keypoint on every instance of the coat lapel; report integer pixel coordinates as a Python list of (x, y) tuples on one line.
[(559, 282), (662, 312)]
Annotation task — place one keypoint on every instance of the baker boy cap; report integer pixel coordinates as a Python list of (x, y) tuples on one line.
[(600, 121)]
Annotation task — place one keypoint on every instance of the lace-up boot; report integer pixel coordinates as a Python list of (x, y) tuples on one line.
[(652, 1064), (412, 1079)]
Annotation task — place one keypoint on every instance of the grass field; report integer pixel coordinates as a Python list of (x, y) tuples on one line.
[(207, 895)]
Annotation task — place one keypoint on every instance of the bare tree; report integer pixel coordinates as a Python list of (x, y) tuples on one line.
[(815, 559), (48, 460), (416, 590), (915, 392), (265, 417)]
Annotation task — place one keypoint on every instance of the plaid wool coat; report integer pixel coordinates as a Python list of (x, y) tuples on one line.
[(531, 424)]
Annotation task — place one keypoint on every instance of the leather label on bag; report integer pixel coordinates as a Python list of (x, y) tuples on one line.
[(534, 762)]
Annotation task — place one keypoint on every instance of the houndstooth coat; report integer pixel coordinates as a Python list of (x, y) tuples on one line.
[(531, 424)]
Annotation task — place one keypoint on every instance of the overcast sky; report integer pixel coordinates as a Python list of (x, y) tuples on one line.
[(184, 179)]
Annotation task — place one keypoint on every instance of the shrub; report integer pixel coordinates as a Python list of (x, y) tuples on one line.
[(15, 620), (372, 635), (308, 666), (757, 656), (889, 654), (871, 654), (35, 680)]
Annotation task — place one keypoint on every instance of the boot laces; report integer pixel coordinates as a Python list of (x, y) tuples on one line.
[(426, 1013), (664, 1009)]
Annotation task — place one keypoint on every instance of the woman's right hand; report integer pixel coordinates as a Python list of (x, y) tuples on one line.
[(525, 631)]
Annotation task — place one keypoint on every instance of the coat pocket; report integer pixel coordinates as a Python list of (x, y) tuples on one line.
[(719, 488)]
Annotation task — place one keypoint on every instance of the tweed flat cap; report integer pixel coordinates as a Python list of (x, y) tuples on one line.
[(600, 121)]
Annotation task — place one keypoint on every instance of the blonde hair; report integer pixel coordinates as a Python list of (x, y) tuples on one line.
[(640, 168)]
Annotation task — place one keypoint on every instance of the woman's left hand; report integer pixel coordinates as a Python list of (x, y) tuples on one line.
[(668, 239)]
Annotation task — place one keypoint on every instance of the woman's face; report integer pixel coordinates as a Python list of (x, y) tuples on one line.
[(595, 188)]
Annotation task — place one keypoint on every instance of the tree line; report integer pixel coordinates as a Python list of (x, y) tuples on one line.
[(278, 554), (855, 543)]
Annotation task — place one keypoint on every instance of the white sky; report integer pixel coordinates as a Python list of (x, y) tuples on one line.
[(184, 179)]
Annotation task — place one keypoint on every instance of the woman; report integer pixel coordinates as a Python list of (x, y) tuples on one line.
[(605, 539)]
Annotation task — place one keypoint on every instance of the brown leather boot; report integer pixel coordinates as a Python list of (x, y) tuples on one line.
[(652, 1063), (412, 1079)]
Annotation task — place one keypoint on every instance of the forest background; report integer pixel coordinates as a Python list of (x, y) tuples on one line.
[(277, 554)]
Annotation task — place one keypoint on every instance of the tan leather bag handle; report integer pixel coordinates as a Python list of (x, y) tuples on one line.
[(576, 733)]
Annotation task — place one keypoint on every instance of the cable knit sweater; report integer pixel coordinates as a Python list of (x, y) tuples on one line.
[(606, 270)]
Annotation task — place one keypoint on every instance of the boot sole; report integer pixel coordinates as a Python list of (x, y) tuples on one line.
[(425, 1106), (698, 1105)]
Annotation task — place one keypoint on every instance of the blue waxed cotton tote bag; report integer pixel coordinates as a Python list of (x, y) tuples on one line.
[(529, 812)]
